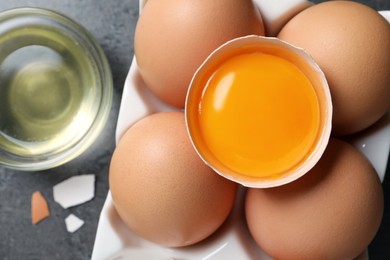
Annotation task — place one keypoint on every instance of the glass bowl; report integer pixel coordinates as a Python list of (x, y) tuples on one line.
[(55, 89)]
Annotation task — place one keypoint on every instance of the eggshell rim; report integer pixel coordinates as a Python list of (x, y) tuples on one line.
[(325, 132)]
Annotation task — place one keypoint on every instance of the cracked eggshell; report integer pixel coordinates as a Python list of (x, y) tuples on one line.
[(39, 207), (75, 191), (73, 223), (273, 46)]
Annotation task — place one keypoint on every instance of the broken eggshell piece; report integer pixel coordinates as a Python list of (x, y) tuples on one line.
[(75, 190), (73, 223), (198, 92), (39, 208)]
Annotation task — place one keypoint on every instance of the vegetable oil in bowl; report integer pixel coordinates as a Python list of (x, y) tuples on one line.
[(51, 87)]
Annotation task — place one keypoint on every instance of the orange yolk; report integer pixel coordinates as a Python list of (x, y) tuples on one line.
[(259, 115)]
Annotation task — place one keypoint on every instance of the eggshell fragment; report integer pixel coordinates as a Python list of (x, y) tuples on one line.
[(198, 91), (73, 223), (75, 190), (39, 207)]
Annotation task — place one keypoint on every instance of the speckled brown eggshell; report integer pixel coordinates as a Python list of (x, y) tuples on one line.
[(174, 37), (351, 43), (332, 212), (160, 187)]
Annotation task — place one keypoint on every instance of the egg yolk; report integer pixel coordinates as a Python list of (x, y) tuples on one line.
[(259, 115)]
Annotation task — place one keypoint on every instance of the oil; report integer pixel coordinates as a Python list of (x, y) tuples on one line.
[(48, 93)]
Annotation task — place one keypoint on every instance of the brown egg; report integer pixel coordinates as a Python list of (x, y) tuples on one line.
[(351, 43), (160, 187), (173, 37), (332, 212)]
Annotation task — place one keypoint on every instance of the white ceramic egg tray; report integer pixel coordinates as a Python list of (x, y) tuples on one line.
[(232, 241)]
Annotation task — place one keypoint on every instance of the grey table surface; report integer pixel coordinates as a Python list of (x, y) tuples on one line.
[(112, 23)]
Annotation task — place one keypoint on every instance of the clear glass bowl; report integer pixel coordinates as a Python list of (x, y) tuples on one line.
[(55, 89)]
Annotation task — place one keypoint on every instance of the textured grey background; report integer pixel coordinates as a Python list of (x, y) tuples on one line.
[(112, 23)]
